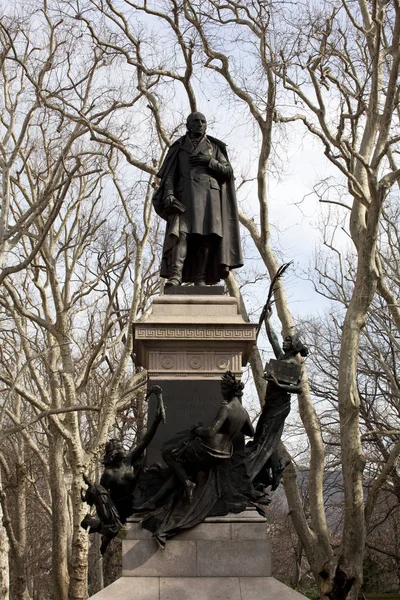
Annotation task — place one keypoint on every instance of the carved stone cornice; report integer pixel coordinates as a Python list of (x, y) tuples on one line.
[(193, 337)]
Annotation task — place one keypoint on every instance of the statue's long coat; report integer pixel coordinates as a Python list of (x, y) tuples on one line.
[(226, 252)]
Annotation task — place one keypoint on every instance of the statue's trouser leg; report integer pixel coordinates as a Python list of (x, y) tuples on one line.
[(202, 260), (179, 252)]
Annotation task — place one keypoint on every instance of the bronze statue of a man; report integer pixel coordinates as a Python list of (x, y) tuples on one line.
[(196, 197)]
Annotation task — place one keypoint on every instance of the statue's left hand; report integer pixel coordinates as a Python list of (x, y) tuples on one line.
[(272, 377), (199, 159)]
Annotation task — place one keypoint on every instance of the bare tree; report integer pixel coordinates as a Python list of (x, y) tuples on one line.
[(332, 70), (341, 63)]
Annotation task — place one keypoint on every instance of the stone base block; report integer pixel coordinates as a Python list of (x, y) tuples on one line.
[(230, 546), (197, 588), (224, 558), (197, 558)]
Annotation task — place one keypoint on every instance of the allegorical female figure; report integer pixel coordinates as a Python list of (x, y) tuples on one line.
[(198, 462), (283, 375)]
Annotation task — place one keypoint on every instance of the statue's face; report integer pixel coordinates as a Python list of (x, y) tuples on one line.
[(287, 344), (197, 124), (226, 391), (114, 452)]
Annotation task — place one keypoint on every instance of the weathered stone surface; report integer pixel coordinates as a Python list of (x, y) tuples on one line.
[(214, 561), (244, 558), (207, 531), (144, 558), (130, 588), (248, 525), (266, 588), (134, 531), (200, 307), (204, 531), (249, 531), (196, 588)]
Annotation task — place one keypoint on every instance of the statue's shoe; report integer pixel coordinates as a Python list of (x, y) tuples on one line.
[(173, 281)]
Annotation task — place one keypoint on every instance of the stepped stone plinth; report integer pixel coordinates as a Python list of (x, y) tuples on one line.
[(224, 558)]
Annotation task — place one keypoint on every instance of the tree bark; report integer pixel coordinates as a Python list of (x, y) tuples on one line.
[(4, 560), (78, 589), (60, 522)]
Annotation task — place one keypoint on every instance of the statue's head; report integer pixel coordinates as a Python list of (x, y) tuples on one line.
[(113, 452), (196, 123), (293, 343), (230, 386)]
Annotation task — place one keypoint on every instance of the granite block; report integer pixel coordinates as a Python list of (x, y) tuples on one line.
[(193, 308), (207, 531), (134, 531), (204, 531), (130, 588), (197, 588), (242, 558), (144, 558), (266, 588), (249, 531), (204, 588)]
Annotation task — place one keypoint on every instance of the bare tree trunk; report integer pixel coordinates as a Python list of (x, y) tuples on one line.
[(4, 561), (20, 556), (78, 589), (20, 588), (60, 522), (298, 553), (350, 563)]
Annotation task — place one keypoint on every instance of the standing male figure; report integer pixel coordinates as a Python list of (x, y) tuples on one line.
[(196, 197)]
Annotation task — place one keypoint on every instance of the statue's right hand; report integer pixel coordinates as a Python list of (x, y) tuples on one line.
[(198, 431), (169, 201)]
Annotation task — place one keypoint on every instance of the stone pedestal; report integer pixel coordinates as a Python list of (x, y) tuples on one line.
[(224, 558), (193, 337), (187, 343), (190, 339)]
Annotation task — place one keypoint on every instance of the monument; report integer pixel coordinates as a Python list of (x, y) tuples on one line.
[(198, 529)]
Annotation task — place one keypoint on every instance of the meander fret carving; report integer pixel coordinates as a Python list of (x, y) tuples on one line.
[(198, 332)]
